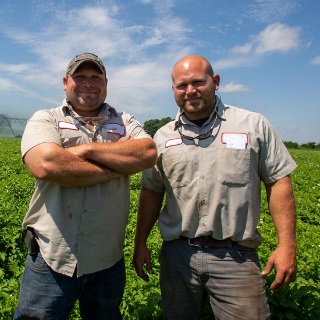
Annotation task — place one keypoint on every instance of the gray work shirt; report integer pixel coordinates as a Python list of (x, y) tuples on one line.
[(212, 185), (84, 226)]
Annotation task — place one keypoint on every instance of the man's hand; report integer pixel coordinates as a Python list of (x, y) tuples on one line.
[(78, 151), (285, 262), (141, 259), (126, 138)]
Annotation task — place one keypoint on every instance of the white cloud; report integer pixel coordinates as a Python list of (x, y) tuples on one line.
[(163, 7), (233, 87), (79, 30), (155, 39), (16, 68), (266, 11), (234, 62), (145, 1), (133, 85), (277, 37), (316, 60), (242, 49), (10, 86)]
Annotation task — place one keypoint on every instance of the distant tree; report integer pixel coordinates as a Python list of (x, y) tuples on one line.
[(290, 144), (309, 145), (151, 126)]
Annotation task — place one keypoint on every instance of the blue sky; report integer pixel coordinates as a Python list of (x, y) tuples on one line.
[(267, 53)]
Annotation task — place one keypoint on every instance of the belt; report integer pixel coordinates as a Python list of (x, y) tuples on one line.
[(207, 242)]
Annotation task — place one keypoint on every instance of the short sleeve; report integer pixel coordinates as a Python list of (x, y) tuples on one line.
[(134, 127), (275, 161), (40, 128)]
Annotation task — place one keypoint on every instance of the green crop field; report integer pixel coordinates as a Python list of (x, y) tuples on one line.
[(300, 300)]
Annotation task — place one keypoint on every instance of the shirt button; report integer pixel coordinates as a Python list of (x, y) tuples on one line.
[(203, 202), (202, 176)]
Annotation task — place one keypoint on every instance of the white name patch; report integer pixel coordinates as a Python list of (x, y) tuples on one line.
[(235, 140), (173, 142), (67, 125)]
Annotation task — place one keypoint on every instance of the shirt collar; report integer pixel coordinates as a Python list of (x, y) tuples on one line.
[(106, 108)]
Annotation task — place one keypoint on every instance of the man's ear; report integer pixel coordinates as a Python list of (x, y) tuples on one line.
[(216, 80), (65, 80)]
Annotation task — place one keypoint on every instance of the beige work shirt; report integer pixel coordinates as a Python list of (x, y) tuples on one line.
[(212, 185), (85, 226)]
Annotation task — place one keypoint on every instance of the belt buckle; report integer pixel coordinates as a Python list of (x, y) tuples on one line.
[(193, 244), (199, 242)]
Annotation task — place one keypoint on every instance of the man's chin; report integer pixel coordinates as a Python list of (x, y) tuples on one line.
[(89, 103), (194, 107)]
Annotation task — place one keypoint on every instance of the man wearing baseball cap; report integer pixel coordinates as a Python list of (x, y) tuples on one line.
[(82, 154)]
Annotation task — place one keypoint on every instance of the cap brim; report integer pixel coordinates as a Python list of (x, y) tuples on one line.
[(77, 65)]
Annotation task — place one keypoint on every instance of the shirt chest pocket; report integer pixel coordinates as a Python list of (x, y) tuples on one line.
[(234, 166), (175, 167)]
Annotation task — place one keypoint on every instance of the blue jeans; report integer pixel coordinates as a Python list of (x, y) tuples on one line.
[(45, 294), (230, 277)]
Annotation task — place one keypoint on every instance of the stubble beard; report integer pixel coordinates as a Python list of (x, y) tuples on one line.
[(89, 102), (196, 108)]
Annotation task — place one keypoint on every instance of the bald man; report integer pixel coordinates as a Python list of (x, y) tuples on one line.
[(211, 161)]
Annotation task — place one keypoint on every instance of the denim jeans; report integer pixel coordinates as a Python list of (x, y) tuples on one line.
[(230, 277), (45, 294)]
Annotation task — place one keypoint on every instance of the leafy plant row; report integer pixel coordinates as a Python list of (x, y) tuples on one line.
[(142, 300)]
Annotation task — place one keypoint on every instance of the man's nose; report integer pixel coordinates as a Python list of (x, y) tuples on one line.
[(190, 89)]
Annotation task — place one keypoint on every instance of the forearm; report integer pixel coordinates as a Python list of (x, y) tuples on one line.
[(86, 175), (150, 203), (125, 157), (52, 163), (283, 211), (148, 212)]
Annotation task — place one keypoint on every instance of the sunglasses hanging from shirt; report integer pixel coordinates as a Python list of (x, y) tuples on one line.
[(201, 136), (83, 121)]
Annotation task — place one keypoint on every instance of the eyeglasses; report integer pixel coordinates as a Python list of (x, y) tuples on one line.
[(201, 136)]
